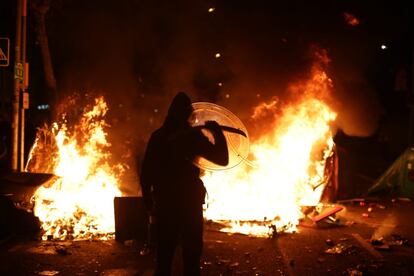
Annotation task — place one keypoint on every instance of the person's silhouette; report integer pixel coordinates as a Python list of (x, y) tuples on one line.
[(172, 189)]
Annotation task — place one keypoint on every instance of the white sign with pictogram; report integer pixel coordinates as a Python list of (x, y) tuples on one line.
[(4, 51)]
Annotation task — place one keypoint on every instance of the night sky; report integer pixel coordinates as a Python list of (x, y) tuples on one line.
[(140, 53)]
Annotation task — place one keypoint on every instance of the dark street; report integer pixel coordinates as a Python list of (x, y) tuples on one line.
[(342, 248)]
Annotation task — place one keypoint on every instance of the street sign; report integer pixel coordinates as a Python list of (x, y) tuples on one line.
[(4, 51)]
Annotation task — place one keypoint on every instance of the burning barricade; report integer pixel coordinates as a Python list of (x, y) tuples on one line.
[(79, 203), (292, 163)]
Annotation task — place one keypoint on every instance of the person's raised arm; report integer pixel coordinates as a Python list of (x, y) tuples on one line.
[(218, 152)]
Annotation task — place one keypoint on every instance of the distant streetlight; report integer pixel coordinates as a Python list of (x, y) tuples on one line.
[(212, 9), (384, 47)]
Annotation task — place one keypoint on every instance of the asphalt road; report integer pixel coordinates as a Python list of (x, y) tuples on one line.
[(341, 248)]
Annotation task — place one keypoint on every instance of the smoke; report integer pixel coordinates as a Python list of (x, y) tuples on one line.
[(358, 108)]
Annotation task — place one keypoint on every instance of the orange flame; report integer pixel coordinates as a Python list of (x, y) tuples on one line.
[(289, 162), (79, 203)]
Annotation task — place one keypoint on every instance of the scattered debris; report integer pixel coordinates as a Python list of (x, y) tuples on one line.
[(280, 271), (207, 263), (62, 250), (121, 271), (352, 200), (380, 244), (354, 272), (48, 273), (339, 248), (145, 250), (404, 199), (241, 272), (367, 246), (327, 213), (398, 240), (378, 241), (321, 216), (223, 262), (370, 268), (321, 260), (329, 242)]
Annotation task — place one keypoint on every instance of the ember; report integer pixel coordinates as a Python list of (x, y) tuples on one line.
[(79, 203), (350, 19)]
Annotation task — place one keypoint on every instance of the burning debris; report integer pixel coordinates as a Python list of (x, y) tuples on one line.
[(289, 163), (383, 244), (79, 203), (339, 248)]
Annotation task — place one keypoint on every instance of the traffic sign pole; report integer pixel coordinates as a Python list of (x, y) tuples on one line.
[(16, 95), (24, 96), (17, 160)]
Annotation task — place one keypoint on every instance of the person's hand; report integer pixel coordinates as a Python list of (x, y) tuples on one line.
[(212, 125)]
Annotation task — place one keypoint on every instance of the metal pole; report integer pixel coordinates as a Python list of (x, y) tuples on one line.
[(22, 107), (411, 104), (16, 97)]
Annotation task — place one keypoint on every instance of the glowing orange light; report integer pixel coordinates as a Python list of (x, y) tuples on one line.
[(289, 162), (351, 19), (79, 203)]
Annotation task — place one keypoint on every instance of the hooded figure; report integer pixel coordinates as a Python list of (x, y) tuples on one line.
[(171, 186)]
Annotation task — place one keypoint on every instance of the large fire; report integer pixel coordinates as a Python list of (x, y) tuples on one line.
[(286, 170), (78, 204), (289, 161)]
